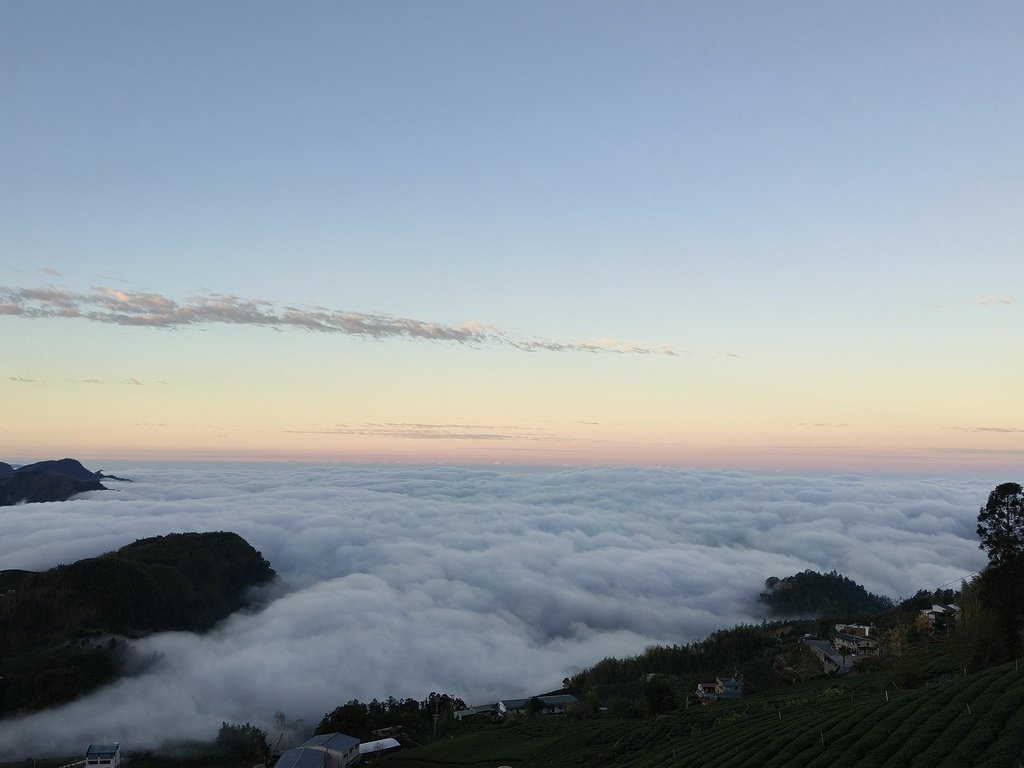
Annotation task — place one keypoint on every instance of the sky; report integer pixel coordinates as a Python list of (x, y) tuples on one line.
[(764, 236), (485, 583)]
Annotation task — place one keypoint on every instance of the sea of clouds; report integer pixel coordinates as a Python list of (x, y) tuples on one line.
[(478, 582)]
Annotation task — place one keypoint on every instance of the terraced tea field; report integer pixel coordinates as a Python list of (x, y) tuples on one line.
[(974, 721)]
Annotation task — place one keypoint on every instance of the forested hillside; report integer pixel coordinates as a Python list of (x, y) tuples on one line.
[(185, 581), (810, 593)]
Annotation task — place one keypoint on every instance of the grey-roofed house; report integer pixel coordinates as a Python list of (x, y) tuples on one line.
[(106, 755), (512, 706), (847, 642), (333, 742), (939, 614), (860, 630), (479, 709), (302, 757), (551, 705), (728, 688), (555, 705)]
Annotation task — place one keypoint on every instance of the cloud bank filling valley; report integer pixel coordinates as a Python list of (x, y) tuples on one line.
[(405, 580)]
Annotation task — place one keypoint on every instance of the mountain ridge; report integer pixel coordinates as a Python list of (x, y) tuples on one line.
[(48, 480), (62, 630)]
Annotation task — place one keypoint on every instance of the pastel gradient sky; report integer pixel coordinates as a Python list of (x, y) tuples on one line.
[(705, 234)]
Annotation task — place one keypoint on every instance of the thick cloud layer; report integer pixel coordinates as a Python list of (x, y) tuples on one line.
[(400, 581)]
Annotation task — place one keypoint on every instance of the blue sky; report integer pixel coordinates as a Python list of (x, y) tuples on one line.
[(816, 207)]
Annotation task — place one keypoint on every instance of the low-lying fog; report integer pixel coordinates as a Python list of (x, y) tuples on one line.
[(401, 581)]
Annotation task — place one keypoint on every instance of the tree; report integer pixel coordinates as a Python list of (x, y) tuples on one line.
[(657, 696), (247, 740), (534, 706), (1001, 525)]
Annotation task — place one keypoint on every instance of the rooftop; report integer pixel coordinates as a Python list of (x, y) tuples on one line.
[(302, 757), (337, 742), (102, 750)]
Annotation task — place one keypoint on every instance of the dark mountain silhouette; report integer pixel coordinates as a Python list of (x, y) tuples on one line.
[(59, 629), (69, 467), (52, 480), (42, 486), (820, 594)]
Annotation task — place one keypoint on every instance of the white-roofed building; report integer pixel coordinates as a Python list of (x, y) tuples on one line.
[(370, 748)]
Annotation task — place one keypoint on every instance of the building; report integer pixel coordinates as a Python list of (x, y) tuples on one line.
[(831, 660), (302, 757), (369, 750), (728, 688), (479, 709), (328, 750), (844, 643), (706, 690), (860, 630), (720, 689), (550, 705), (556, 705), (940, 614), (106, 755)]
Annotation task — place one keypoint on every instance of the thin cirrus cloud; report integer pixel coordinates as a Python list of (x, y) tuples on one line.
[(990, 300), (482, 582), (107, 305), (1006, 430), (24, 380), (418, 431), (993, 300)]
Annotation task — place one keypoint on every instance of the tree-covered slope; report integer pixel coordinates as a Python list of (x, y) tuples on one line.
[(820, 594), (68, 467), (50, 480), (185, 581), (42, 485)]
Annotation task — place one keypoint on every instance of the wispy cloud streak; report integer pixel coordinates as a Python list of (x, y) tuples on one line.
[(108, 305), (1011, 430), (993, 300), (419, 431)]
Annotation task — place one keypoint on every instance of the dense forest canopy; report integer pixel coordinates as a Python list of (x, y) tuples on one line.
[(820, 594), (362, 720), (58, 628)]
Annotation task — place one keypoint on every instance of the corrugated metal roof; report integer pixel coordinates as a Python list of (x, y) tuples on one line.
[(337, 742), (302, 757), (852, 638), (102, 750), (380, 745)]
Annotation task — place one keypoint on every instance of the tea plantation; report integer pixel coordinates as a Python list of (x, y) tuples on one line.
[(965, 721)]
